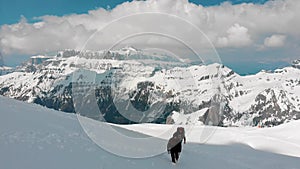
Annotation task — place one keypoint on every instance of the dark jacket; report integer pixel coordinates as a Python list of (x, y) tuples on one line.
[(175, 143)]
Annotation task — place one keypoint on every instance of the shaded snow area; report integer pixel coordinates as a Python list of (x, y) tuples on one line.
[(33, 137)]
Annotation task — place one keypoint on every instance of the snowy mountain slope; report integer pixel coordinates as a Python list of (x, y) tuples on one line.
[(281, 139), (198, 94), (35, 137)]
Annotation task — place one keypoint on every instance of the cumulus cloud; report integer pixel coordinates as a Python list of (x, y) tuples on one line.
[(225, 25), (41, 37), (275, 41), (237, 36)]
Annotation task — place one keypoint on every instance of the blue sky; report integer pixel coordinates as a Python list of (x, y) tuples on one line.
[(247, 37), (11, 10)]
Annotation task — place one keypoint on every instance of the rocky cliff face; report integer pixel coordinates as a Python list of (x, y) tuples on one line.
[(120, 87)]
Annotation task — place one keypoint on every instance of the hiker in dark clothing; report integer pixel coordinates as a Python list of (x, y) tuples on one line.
[(174, 145)]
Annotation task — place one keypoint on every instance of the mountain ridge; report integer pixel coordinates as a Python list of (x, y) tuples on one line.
[(188, 94)]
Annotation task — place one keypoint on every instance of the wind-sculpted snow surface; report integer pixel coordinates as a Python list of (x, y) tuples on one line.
[(35, 137)]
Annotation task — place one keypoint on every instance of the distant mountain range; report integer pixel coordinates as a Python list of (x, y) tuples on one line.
[(133, 86)]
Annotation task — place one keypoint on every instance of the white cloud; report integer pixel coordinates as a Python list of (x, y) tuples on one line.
[(226, 25), (275, 41), (237, 36), (41, 37)]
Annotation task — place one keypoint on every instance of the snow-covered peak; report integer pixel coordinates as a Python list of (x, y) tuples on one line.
[(129, 49), (148, 79), (5, 70), (296, 64), (126, 53), (41, 57)]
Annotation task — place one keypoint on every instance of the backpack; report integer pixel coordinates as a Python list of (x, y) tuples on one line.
[(172, 143), (180, 133), (177, 138)]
